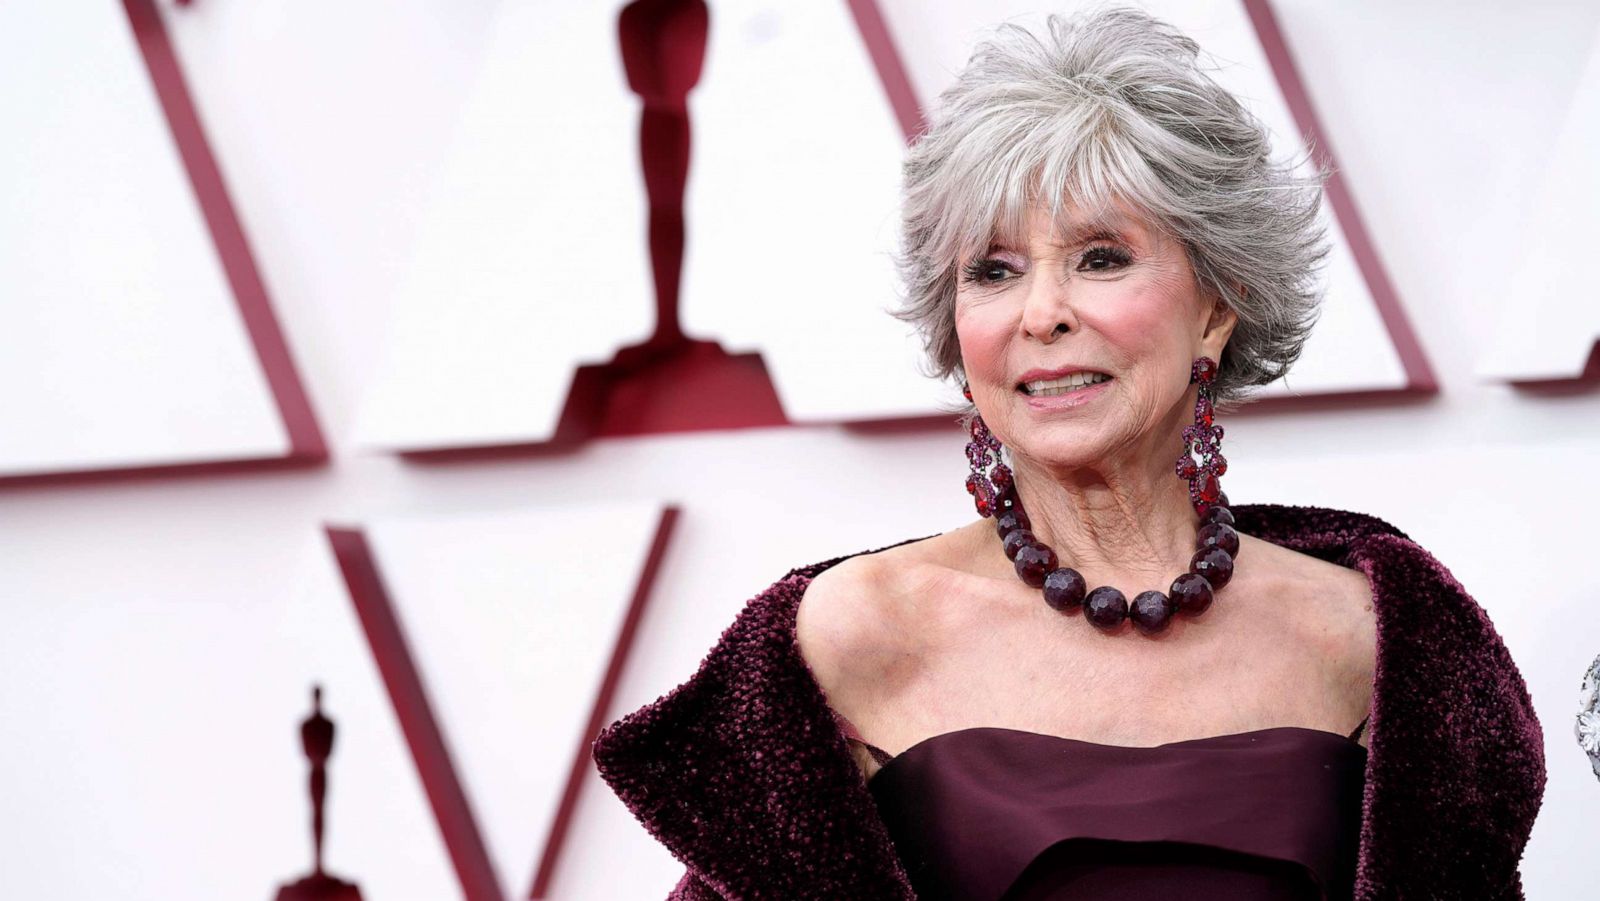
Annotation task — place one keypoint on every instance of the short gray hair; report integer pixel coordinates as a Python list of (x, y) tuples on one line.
[(1113, 104)]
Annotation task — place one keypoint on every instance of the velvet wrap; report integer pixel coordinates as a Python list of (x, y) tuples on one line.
[(742, 771)]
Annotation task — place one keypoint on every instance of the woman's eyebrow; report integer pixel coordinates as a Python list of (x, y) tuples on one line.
[(1106, 228), (1115, 228)]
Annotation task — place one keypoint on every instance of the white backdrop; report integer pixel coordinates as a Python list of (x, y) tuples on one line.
[(161, 634)]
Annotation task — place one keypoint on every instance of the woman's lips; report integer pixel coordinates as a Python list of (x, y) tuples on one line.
[(1075, 397)]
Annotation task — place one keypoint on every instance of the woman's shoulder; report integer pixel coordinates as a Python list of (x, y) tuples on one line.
[(864, 626), (851, 623), (1301, 573)]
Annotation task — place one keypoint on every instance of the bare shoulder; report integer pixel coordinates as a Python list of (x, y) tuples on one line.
[(835, 622), (1299, 563), (1334, 603), (854, 625), (1335, 595)]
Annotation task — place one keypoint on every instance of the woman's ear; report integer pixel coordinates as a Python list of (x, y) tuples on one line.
[(1220, 324)]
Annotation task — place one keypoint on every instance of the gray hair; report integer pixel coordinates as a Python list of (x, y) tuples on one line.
[(1114, 104)]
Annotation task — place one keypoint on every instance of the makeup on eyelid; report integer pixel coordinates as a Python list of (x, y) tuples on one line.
[(973, 273)]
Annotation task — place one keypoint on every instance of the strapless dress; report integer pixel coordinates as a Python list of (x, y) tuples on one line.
[(997, 814)]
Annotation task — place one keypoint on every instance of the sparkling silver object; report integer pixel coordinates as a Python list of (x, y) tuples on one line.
[(1588, 725)]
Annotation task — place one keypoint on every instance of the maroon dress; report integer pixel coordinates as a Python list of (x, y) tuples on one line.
[(990, 813)]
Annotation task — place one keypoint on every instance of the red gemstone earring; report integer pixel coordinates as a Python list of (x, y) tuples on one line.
[(1205, 438), (988, 488)]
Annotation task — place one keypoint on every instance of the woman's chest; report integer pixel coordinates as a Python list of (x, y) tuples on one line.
[(1275, 659)]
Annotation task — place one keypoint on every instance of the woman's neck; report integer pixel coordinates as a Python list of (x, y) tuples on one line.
[(1124, 525)]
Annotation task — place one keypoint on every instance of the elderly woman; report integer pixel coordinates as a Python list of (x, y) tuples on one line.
[(1113, 683)]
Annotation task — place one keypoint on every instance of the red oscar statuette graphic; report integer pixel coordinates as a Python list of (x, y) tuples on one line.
[(316, 738)]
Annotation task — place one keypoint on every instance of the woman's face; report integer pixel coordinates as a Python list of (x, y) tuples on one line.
[(1131, 309)]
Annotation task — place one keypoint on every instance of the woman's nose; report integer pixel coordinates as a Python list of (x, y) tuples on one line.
[(1047, 308)]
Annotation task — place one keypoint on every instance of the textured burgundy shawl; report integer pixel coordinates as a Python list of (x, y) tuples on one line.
[(743, 773)]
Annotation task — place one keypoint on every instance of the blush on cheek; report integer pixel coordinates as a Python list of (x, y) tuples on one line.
[(982, 341)]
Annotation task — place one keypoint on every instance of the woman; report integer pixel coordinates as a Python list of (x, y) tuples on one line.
[(1078, 695)]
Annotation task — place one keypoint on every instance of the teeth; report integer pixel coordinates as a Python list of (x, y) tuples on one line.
[(1049, 387)]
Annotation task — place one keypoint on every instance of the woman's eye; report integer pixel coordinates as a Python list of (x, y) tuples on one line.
[(991, 271), (1103, 258), (986, 272)]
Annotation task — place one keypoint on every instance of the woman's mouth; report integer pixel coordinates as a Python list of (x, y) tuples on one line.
[(1064, 392), (1063, 385)]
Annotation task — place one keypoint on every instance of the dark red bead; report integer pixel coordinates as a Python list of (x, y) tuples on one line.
[(1007, 499), (1222, 499), (1016, 540), (1151, 611), (1034, 562), (1220, 535), (1105, 607), (1010, 520), (1191, 592), (1215, 564), (1000, 478), (1064, 588), (1217, 513)]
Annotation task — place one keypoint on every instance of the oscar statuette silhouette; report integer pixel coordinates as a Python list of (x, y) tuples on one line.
[(316, 739)]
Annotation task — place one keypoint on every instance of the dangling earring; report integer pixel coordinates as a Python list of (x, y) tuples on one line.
[(1205, 438), (990, 490)]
